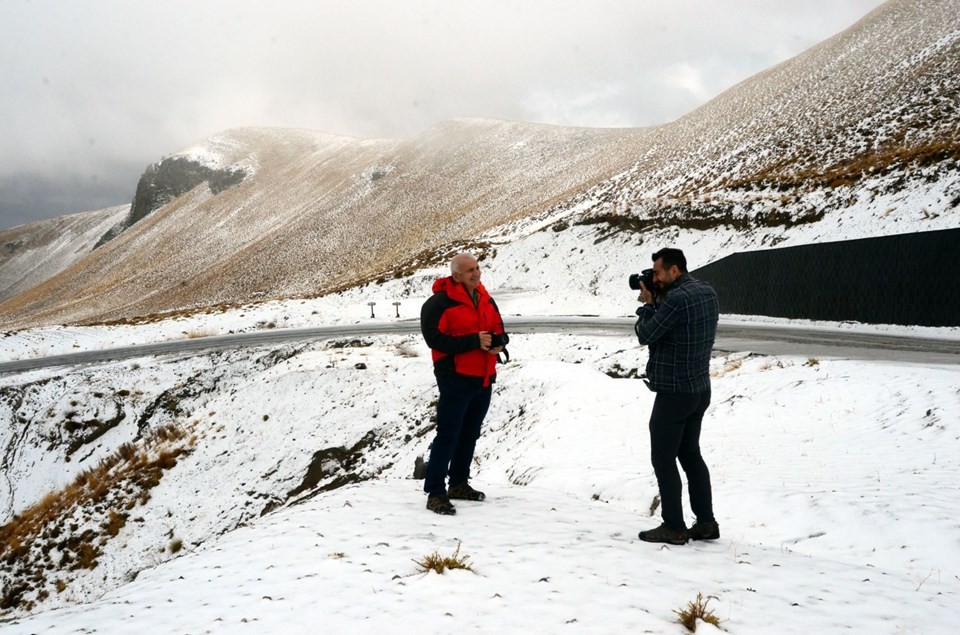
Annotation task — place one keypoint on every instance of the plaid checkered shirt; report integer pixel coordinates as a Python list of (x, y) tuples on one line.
[(680, 332)]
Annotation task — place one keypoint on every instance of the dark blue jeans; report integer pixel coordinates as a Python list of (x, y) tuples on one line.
[(675, 434), (460, 412)]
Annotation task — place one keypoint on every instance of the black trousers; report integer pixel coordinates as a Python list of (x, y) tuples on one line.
[(460, 412), (675, 435)]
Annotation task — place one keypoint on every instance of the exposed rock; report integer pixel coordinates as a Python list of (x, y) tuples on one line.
[(164, 181)]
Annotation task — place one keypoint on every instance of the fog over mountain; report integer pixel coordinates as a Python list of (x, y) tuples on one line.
[(96, 91), (841, 141)]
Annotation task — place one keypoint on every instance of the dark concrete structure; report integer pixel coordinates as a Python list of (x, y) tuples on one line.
[(900, 279)]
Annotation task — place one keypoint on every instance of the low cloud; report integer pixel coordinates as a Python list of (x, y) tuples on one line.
[(104, 83), (687, 78)]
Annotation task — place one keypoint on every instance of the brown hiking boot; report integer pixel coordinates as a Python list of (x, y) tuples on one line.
[(441, 505), (464, 492), (664, 533), (704, 531)]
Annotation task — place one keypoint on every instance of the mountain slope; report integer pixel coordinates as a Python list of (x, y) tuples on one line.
[(878, 101), (316, 212), (30, 254)]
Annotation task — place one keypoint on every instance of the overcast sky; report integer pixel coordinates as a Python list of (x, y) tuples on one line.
[(93, 91)]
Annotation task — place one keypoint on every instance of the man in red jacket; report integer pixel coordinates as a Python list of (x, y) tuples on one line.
[(462, 325)]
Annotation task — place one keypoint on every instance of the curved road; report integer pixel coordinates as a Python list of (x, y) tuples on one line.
[(758, 338)]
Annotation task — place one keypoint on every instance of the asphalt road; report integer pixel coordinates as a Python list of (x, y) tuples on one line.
[(757, 338)]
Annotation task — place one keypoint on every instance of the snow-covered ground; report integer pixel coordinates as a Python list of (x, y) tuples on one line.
[(835, 484)]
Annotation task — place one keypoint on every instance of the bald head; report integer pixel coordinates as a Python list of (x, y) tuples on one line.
[(465, 270), (462, 261)]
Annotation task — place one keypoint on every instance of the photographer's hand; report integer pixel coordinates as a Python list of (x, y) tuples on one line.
[(485, 340), (646, 296)]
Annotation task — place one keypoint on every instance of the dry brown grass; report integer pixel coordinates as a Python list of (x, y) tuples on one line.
[(875, 162), (200, 333), (697, 610), (115, 522), (729, 367), (120, 481), (166, 459), (127, 451), (86, 557), (438, 563), (168, 433)]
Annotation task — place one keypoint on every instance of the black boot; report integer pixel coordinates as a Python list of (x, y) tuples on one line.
[(464, 492), (704, 531), (666, 534), (441, 505)]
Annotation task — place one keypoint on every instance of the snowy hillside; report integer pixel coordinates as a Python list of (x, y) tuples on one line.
[(270, 489), (844, 137), (30, 254)]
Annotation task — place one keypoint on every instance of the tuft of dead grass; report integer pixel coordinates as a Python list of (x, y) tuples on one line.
[(86, 557), (199, 333), (697, 610), (115, 522), (168, 433), (439, 563), (729, 367), (407, 349)]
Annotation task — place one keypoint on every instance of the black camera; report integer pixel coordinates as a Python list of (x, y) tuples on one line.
[(498, 340), (645, 276)]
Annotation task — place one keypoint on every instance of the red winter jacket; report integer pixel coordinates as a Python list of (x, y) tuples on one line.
[(451, 324)]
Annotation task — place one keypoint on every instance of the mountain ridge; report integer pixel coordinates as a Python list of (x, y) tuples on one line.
[(858, 136), (315, 207)]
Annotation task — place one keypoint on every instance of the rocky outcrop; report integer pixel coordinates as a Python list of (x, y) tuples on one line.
[(164, 181)]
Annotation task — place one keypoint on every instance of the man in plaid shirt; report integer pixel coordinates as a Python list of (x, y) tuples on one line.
[(678, 323)]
